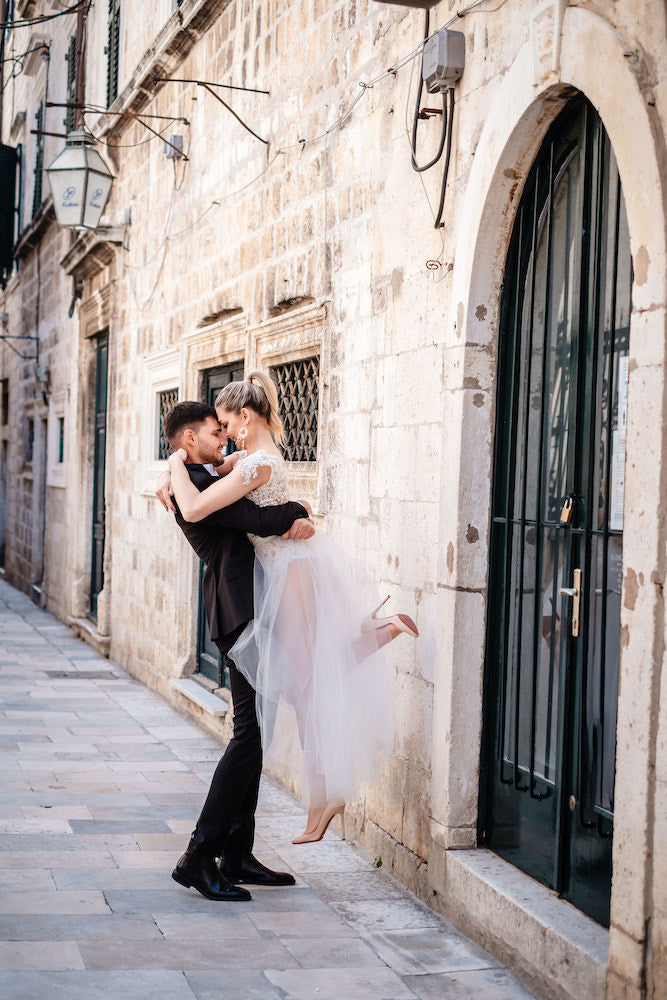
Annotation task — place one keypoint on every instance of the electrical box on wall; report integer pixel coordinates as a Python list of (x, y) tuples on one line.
[(173, 149), (415, 4), (443, 60)]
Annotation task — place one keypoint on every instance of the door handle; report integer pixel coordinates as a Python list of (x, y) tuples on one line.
[(575, 593)]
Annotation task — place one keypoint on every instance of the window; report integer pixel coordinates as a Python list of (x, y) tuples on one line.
[(160, 392), (39, 160), (165, 400), (55, 443), (298, 400), (113, 51), (4, 401)]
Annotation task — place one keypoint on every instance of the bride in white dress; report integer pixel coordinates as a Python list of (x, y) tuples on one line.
[(312, 642)]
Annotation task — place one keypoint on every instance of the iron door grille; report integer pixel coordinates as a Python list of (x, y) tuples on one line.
[(550, 694)]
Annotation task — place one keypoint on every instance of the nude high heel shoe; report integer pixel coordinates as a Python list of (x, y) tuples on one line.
[(327, 815), (402, 623)]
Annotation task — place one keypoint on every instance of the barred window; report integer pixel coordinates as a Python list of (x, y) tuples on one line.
[(298, 399), (165, 400)]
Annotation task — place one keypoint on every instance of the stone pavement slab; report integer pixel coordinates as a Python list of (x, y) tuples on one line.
[(150, 985), (485, 984), (100, 783)]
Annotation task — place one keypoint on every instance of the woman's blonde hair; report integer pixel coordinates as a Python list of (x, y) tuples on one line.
[(258, 392)]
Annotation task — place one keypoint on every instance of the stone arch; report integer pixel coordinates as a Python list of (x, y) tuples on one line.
[(522, 111)]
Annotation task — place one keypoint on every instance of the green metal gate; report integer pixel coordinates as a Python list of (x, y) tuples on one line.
[(99, 464), (553, 629), (210, 661)]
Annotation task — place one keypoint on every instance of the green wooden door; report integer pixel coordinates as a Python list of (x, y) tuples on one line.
[(553, 630), (99, 465), (210, 661)]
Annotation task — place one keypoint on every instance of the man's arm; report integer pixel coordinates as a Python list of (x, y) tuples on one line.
[(245, 515), (263, 521)]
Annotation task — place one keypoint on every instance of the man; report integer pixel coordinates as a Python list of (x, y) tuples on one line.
[(226, 826)]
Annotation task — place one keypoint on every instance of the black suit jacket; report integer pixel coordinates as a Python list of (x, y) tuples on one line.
[(221, 543)]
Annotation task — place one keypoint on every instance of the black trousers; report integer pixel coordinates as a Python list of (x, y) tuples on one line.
[(226, 825)]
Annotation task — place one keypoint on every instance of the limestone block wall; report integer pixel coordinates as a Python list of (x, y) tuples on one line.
[(36, 301), (321, 240)]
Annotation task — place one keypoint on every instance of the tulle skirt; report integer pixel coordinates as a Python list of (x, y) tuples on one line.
[(306, 649)]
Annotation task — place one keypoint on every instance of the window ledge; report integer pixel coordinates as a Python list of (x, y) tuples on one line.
[(210, 703), (87, 630)]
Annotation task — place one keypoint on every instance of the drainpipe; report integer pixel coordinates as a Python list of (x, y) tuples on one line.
[(3, 18)]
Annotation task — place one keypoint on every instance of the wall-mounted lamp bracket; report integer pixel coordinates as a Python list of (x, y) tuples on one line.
[(207, 86), (124, 114), (208, 83), (24, 357)]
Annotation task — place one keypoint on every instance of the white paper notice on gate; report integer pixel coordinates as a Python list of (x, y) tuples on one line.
[(617, 482), (623, 371), (617, 497)]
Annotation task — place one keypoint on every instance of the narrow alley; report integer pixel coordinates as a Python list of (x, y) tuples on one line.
[(101, 783)]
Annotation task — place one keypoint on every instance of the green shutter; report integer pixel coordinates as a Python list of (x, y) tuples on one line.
[(8, 160), (39, 160), (70, 118), (113, 49)]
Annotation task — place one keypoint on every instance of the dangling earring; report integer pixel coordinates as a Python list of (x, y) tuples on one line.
[(240, 438)]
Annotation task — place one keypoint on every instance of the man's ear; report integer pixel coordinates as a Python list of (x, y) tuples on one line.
[(188, 438)]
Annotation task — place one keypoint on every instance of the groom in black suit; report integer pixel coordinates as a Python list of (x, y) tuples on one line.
[(226, 826)]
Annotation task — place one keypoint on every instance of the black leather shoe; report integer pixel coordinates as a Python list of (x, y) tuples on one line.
[(200, 871), (248, 869)]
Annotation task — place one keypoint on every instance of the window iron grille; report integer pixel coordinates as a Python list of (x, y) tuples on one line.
[(298, 401), (61, 440), (165, 400)]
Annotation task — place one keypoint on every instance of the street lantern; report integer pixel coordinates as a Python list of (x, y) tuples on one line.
[(80, 182)]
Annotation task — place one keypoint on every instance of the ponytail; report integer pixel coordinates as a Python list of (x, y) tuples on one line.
[(258, 393)]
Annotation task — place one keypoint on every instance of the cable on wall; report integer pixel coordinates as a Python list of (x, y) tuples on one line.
[(419, 115), (26, 22), (365, 86)]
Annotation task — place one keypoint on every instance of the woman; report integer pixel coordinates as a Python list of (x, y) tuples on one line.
[(308, 643)]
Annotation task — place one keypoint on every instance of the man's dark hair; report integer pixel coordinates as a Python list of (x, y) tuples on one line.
[(187, 414)]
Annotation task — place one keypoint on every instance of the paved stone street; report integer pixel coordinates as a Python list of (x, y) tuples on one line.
[(101, 783)]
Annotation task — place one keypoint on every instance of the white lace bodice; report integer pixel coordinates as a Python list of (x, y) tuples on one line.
[(275, 491)]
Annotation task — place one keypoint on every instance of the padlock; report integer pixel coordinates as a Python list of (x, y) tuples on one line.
[(566, 510)]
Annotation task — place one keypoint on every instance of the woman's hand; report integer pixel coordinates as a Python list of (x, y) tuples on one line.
[(164, 492), (179, 456), (227, 464)]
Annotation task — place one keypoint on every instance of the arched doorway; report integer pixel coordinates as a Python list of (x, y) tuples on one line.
[(553, 626)]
